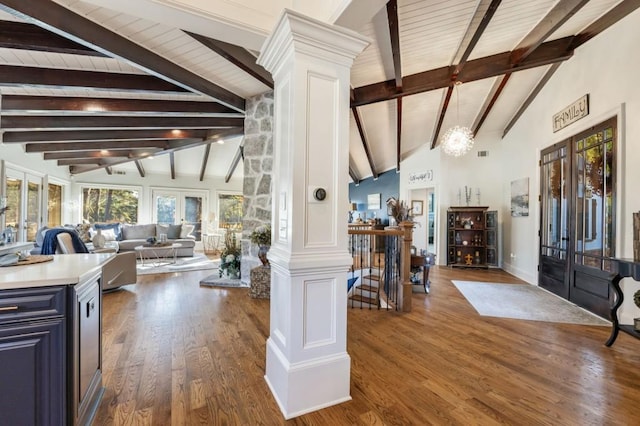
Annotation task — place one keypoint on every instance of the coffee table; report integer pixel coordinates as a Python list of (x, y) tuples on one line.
[(158, 254)]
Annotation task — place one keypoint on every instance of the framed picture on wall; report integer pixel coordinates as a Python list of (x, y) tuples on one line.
[(416, 207), (373, 201)]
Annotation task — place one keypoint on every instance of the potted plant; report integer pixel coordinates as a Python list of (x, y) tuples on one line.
[(262, 237), (636, 300), (399, 210), (230, 256)]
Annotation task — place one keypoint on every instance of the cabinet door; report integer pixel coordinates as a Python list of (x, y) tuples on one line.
[(491, 237), (32, 373)]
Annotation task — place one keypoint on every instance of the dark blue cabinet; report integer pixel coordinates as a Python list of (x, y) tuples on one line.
[(32, 357)]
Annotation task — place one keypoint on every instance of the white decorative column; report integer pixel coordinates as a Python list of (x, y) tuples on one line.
[(308, 367)]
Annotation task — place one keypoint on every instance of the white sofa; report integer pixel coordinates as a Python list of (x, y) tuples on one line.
[(137, 235)]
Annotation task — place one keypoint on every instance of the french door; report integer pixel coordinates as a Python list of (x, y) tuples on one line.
[(24, 198), (173, 207), (577, 220)]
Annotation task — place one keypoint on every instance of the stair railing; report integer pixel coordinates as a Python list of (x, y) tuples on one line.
[(381, 269)]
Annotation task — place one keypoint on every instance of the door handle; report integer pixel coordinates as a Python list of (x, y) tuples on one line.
[(91, 305)]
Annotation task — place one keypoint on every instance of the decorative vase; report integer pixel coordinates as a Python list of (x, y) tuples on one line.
[(98, 239), (477, 258), (262, 254), (636, 324)]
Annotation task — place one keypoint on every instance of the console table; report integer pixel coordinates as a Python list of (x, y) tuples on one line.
[(623, 268)]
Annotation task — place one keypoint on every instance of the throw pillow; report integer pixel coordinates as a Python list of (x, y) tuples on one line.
[(186, 230), (139, 232), (109, 234), (162, 229), (114, 226), (174, 232)]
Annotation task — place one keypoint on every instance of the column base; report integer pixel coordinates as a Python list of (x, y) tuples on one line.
[(307, 386)]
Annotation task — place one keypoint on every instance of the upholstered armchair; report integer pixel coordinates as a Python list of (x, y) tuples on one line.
[(118, 271)]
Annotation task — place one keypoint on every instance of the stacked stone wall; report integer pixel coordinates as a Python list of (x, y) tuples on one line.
[(258, 167)]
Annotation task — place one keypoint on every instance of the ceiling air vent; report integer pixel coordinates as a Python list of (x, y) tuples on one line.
[(483, 153), (119, 172)]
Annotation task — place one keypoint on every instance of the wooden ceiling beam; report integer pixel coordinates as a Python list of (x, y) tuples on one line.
[(140, 168), (543, 81), (205, 160), (66, 23), (618, 12), (96, 135), (477, 69), (174, 146), (398, 132), (238, 56), (97, 145), (102, 105), (365, 145), (25, 36), (561, 12), (97, 122), (614, 15), (479, 22), (444, 105), (490, 101), (55, 77), (394, 35), (239, 155), (124, 153)]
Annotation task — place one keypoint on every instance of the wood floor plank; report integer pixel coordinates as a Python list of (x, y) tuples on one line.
[(176, 353)]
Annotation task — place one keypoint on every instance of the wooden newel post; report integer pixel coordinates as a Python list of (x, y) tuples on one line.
[(405, 266)]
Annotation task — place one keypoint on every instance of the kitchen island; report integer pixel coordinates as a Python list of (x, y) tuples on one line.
[(51, 341)]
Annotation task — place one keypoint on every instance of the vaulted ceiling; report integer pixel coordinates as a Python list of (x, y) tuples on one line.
[(94, 88)]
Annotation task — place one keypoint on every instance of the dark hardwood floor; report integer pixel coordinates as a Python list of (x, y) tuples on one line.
[(176, 353)]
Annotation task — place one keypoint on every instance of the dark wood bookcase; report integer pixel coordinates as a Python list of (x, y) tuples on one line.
[(472, 237)]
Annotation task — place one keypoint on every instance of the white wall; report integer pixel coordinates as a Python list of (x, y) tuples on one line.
[(603, 68), (14, 154)]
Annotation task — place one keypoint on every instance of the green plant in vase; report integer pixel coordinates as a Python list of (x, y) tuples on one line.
[(262, 237), (230, 256)]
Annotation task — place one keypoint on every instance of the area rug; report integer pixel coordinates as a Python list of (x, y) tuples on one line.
[(527, 302), (196, 263), (216, 281)]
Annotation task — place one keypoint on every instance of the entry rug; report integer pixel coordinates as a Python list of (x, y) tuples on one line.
[(216, 281), (196, 263), (524, 301)]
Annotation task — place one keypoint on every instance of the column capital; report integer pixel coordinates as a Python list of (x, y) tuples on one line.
[(298, 33)]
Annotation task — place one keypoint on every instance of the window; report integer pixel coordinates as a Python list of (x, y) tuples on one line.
[(105, 204), (230, 211), (54, 205)]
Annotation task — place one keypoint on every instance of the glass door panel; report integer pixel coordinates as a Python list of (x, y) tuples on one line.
[(14, 202), (165, 208), (32, 218), (54, 205), (192, 213), (174, 207), (24, 198)]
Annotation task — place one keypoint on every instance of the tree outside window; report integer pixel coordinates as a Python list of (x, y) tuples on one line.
[(230, 211), (110, 205)]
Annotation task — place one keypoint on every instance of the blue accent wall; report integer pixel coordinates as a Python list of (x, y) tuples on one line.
[(387, 185)]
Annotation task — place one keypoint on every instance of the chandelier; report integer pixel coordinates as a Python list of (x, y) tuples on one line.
[(458, 140)]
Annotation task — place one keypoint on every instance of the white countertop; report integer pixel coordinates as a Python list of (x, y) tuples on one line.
[(15, 247), (62, 270)]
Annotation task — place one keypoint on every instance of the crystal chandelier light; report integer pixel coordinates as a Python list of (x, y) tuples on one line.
[(458, 140)]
